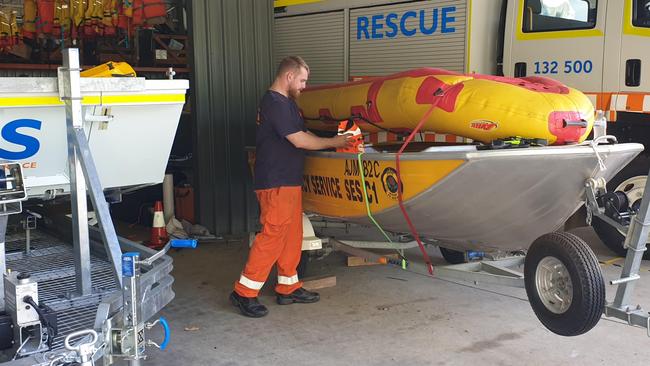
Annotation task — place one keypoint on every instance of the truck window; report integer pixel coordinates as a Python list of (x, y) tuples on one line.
[(641, 13), (558, 15)]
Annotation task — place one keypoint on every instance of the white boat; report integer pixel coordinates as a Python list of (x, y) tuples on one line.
[(130, 124)]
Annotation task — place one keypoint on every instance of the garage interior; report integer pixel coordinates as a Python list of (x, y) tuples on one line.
[(368, 313)]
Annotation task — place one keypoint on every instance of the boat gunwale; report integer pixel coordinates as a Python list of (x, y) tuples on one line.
[(584, 149), (50, 85)]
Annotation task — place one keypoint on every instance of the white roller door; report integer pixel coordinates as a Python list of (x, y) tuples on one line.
[(391, 38), (318, 38)]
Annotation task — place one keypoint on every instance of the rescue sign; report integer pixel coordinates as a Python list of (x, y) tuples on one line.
[(30, 145), (390, 25)]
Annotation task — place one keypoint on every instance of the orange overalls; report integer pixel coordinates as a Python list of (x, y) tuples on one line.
[(279, 242)]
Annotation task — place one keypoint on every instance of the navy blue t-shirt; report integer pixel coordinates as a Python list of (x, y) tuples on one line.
[(278, 162)]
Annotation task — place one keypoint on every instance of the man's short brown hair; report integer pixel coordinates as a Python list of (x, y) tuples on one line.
[(291, 63)]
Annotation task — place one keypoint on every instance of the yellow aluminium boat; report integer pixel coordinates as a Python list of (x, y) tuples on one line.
[(461, 196), (481, 107)]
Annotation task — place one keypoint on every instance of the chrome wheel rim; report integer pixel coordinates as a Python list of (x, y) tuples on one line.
[(554, 285)]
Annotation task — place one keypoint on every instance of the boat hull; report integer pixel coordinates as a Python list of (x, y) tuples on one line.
[(130, 148), (467, 199)]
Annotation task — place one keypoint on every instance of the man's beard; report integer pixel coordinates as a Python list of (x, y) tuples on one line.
[(294, 93)]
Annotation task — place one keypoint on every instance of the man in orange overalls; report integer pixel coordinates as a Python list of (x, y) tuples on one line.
[(280, 152)]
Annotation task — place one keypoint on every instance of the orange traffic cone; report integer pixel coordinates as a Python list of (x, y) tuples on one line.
[(159, 235)]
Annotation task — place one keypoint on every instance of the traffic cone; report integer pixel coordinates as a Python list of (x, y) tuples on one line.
[(159, 235)]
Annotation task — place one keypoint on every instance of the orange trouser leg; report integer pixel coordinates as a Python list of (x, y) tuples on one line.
[(277, 206), (289, 259)]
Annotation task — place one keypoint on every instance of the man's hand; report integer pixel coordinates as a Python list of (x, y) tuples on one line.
[(308, 141), (343, 141)]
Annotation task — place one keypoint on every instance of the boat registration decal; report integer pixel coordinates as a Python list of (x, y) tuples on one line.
[(334, 186)]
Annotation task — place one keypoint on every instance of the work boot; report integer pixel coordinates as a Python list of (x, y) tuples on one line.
[(248, 306), (299, 296)]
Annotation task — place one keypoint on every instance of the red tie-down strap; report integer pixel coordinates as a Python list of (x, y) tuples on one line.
[(438, 96)]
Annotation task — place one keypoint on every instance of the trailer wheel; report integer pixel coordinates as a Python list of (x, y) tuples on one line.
[(453, 256), (564, 283)]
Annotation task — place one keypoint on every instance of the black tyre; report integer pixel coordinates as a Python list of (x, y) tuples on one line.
[(564, 283), (631, 181), (453, 256)]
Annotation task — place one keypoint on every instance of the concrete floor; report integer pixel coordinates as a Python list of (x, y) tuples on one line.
[(379, 315)]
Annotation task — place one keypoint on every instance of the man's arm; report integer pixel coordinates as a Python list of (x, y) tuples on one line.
[(309, 141)]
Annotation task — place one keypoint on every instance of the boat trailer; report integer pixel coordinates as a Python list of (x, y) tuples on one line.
[(91, 301), (508, 269)]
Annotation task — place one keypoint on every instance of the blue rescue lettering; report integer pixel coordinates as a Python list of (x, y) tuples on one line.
[(391, 25), (10, 134)]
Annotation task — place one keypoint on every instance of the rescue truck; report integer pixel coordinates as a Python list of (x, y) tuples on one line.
[(596, 46)]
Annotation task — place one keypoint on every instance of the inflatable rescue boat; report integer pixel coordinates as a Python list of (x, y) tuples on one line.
[(481, 107)]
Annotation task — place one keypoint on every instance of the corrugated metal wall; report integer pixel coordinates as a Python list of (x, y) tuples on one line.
[(232, 68), (379, 54), (322, 46)]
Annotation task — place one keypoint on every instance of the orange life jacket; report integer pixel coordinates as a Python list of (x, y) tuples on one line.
[(155, 11), (122, 19), (115, 5), (127, 8), (138, 12), (45, 21), (351, 128)]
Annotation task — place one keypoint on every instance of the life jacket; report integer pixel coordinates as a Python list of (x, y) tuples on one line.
[(15, 30), (29, 19), (98, 12), (127, 8), (122, 19), (61, 18), (155, 11), (138, 13), (78, 8), (107, 20), (5, 29), (45, 21), (115, 5), (93, 18), (351, 128), (88, 17)]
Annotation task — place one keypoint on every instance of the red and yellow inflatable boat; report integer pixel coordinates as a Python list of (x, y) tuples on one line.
[(480, 107)]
